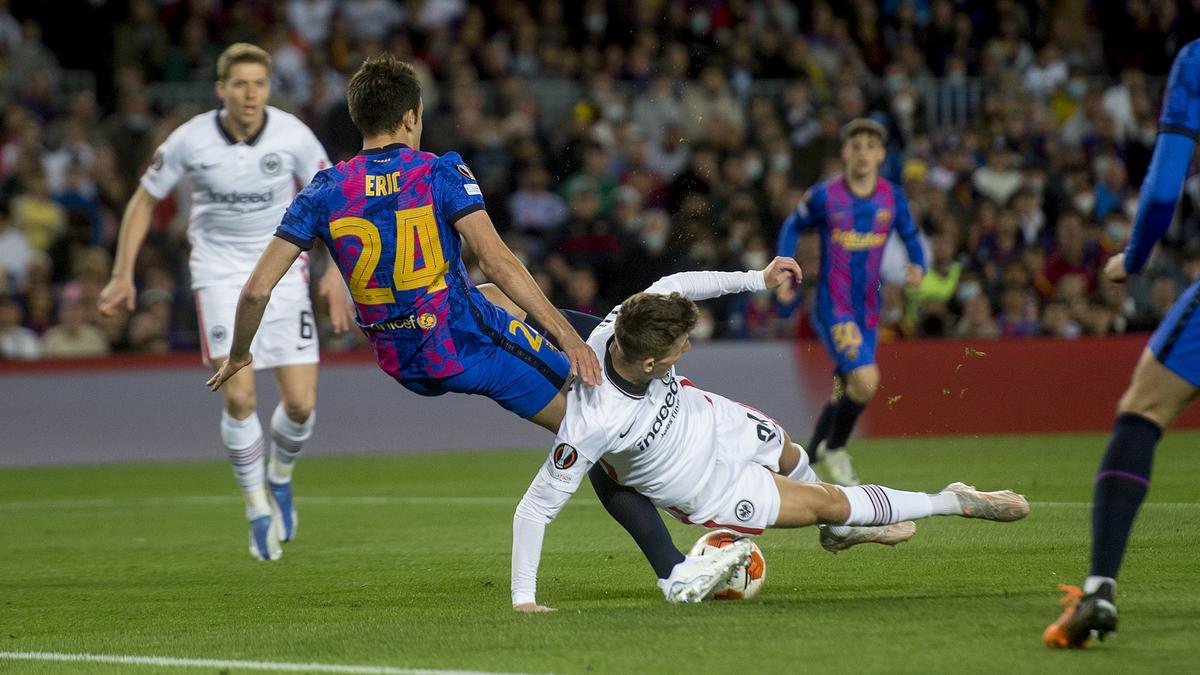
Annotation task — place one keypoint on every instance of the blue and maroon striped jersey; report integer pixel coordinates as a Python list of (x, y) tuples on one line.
[(387, 216), (853, 233)]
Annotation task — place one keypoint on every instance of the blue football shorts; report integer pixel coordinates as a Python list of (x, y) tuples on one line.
[(523, 372), (1176, 342), (849, 344)]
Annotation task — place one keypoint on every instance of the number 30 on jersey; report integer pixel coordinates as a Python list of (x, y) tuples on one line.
[(416, 234)]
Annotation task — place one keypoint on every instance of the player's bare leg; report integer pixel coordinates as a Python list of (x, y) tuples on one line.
[(245, 447), (1153, 400), (551, 416), (291, 425)]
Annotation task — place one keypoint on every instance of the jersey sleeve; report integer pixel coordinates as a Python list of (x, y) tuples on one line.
[(705, 285), (456, 193), (304, 215), (801, 219), (1178, 131), (310, 154), (1181, 105), (167, 166), (907, 227)]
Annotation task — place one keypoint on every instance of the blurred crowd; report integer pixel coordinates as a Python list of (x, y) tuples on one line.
[(616, 142)]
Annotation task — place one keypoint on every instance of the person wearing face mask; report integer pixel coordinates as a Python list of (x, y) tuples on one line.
[(854, 213)]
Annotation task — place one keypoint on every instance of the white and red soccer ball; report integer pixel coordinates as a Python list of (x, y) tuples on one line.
[(747, 581)]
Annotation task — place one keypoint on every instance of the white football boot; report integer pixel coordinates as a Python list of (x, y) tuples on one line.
[(264, 538), (888, 535), (695, 578), (837, 464), (1003, 506)]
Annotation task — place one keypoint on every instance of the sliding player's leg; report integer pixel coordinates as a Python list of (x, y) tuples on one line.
[(803, 504)]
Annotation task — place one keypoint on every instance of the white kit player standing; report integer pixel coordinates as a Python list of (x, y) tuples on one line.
[(703, 458), (245, 162)]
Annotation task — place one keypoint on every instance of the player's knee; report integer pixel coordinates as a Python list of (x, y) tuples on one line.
[(1139, 402), (299, 410), (240, 404), (834, 507)]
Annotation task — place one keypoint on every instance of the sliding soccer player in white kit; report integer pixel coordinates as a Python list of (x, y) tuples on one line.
[(703, 458)]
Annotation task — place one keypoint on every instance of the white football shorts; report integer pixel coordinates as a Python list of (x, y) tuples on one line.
[(287, 335), (741, 492)]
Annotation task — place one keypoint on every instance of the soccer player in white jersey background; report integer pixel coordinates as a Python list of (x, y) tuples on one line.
[(244, 161), (705, 459)]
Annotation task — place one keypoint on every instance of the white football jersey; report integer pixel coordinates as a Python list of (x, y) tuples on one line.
[(658, 440), (239, 189)]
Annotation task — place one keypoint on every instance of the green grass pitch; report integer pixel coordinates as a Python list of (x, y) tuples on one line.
[(403, 561)]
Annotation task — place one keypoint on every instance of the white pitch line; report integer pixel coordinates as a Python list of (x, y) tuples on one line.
[(165, 661), (380, 500)]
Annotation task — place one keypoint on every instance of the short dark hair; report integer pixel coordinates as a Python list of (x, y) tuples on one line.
[(379, 94), (649, 323), (863, 125)]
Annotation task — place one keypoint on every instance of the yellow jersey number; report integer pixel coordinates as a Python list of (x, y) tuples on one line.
[(847, 338), (416, 230)]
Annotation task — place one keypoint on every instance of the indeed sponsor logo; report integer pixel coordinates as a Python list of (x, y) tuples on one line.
[(214, 197)]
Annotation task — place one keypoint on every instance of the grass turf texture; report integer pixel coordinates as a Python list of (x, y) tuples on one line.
[(403, 561)]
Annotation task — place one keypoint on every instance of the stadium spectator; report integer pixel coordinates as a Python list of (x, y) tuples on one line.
[(16, 341), (73, 336)]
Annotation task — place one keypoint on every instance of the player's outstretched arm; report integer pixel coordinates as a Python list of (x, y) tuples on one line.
[(503, 268), (135, 223), (549, 492), (705, 284), (275, 261)]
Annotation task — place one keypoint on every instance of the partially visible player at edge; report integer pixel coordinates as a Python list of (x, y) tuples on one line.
[(705, 459), (854, 214), (243, 160), (1166, 379)]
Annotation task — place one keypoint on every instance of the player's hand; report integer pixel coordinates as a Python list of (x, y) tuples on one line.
[(782, 272), (1114, 269), (532, 608), (341, 308), (913, 275), (227, 370), (584, 363), (117, 292)]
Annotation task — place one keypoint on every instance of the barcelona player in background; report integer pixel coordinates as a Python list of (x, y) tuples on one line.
[(854, 214), (1165, 379)]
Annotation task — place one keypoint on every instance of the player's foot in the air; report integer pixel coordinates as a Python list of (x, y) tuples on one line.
[(694, 578), (1086, 616), (1003, 506), (264, 539), (838, 464), (889, 535), (283, 510)]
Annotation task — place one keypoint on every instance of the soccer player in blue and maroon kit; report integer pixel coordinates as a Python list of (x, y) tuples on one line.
[(394, 218), (854, 214), (1165, 381)]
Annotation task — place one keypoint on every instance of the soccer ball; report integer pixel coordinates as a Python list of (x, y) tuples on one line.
[(747, 581)]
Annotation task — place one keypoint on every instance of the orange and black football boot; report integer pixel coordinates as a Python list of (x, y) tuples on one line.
[(1085, 616)]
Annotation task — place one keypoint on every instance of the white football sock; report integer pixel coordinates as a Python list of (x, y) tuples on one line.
[(803, 470), (1093, 584), (287, 439), (878, 505), (244, 446)]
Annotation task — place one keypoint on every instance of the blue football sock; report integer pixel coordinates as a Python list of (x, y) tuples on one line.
[(844, 416), (1121, 485)]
